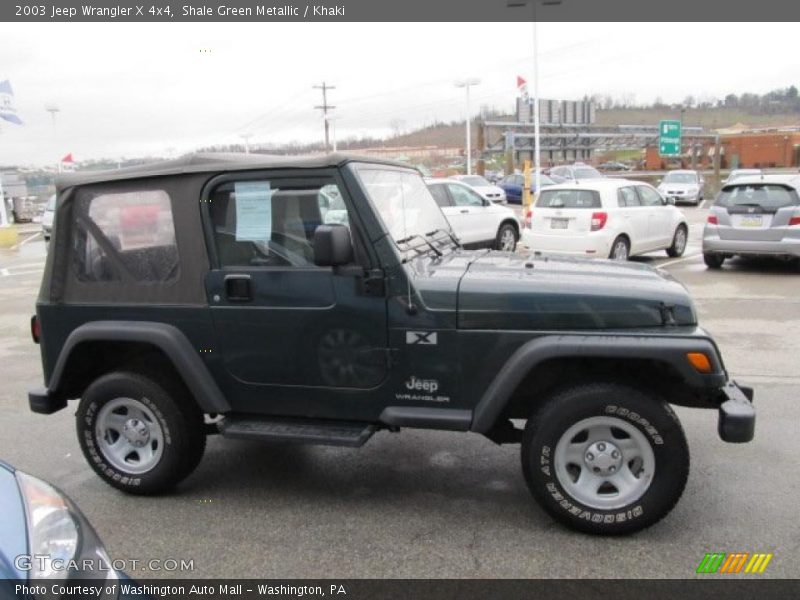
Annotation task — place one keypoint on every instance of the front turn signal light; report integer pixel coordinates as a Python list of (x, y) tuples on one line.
[(699, 361)]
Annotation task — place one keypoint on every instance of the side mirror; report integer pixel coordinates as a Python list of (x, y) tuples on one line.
[(668, 201), (486, 202), (658, 181), (332, 246)]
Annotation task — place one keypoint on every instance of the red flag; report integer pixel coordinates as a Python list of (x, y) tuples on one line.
[(67, 158), (521, 82)]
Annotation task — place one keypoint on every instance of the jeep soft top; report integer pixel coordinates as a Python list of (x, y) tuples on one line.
[(324, 299)]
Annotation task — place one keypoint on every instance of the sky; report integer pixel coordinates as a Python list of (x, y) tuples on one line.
[(136, 89)]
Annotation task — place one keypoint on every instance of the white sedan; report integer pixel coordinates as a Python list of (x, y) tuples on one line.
[(486, 190), (476, 222), (611, 218)]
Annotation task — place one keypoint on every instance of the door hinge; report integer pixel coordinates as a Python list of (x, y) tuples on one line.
[(373, 283)]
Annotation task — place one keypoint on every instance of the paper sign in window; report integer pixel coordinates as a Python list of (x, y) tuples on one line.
[(253, 211)]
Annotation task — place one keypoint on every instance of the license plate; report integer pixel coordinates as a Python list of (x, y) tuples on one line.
[(559, 223), (751, 221)]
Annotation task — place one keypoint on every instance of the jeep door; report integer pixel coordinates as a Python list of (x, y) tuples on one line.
[(294, 338)]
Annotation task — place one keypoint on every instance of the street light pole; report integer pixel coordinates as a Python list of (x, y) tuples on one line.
[(466, 84), (536, 145), (246, 137)]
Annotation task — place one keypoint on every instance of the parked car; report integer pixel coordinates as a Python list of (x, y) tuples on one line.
[(244, 303), (489, 191), (611, 218), (477, 222), (513, 185), (739, 173), (43, 535), (613, 166), (47, 217), (575, 172), (754, 216), (683, 186)]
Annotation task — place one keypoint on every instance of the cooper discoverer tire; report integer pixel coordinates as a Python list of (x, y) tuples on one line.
[(605, 458), (140, 436)]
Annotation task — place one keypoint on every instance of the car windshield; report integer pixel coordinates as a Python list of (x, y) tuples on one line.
[(568, 199), (763, 195), (474, 180), (403, 201), (680, 178), (587, 173)]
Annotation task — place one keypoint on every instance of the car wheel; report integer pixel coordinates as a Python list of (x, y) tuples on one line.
[(138, 436), (506, 238), (713, 261), (620, 249), (605, 458), (678, 246)]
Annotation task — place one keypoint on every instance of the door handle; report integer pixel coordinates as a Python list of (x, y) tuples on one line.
[(464, 211), (238, 288)]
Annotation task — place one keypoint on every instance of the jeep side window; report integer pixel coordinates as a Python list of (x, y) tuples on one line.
[(271, 223), (125, 235)]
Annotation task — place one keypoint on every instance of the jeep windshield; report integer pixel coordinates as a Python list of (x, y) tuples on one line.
[(406, 207)]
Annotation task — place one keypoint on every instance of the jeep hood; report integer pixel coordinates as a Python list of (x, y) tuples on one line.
[(499, 290)]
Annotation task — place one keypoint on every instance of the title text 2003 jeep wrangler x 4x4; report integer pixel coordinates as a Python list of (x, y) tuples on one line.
[(323, 299)]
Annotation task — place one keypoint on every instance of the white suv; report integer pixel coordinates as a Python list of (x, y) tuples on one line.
[(614, 218), (476, 222)]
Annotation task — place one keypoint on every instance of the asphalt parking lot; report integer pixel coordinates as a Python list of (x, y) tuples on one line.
[(437, 504)]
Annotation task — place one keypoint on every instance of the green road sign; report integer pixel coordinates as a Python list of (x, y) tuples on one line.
[(669, 138)]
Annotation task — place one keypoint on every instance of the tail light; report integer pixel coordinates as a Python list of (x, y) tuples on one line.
[(599, 220), (712, 220), (529, 218), (795, 220), (36, 329)]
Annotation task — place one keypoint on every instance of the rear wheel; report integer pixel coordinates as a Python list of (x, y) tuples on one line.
[(605, 458), (140, 436), (506, 238), (620, 249), (678, 242), (713, 261)]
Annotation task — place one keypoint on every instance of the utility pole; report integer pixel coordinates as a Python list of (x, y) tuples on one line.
[(324, 108)]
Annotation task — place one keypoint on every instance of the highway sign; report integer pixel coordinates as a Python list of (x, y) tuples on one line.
[(669, 138)]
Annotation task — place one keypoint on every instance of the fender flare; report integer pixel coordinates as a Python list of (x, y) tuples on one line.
[(167, 338), (671, 350)]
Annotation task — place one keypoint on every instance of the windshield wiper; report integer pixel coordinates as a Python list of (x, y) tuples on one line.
[(405, 240), (449, 234)]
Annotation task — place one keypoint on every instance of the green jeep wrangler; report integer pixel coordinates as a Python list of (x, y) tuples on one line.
[(321, 300)]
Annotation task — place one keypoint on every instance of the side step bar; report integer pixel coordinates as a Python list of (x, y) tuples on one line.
[(299, 431)]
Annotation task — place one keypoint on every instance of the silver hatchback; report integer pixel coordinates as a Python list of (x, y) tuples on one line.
[(754, 216)]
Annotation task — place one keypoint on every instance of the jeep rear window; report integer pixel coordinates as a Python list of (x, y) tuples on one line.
[(763, 195), (126, 236), (568, 199)]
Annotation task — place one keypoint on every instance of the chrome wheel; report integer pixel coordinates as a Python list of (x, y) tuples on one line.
[(604, 462), (620, 250), (508, 240), (129, 436), (679, 243)]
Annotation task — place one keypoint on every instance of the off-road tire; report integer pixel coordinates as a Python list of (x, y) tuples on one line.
[(642, 411), (713, 261), (180, 420), (676, 249), (503, 231)]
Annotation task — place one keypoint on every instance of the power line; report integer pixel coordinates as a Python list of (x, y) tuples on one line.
[(324, 107)]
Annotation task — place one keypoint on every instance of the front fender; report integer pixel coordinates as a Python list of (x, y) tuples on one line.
[(671, 350)]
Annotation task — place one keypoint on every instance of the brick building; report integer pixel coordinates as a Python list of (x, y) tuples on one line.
[(748, 149)]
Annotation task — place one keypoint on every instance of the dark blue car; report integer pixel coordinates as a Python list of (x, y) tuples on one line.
[(513, 185), (43, 536)]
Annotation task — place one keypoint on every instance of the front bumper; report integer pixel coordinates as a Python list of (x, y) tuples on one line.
[(737, 417)]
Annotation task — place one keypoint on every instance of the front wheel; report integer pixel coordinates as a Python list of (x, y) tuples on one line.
[(605, 458), (506, 238), (140, 436)]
